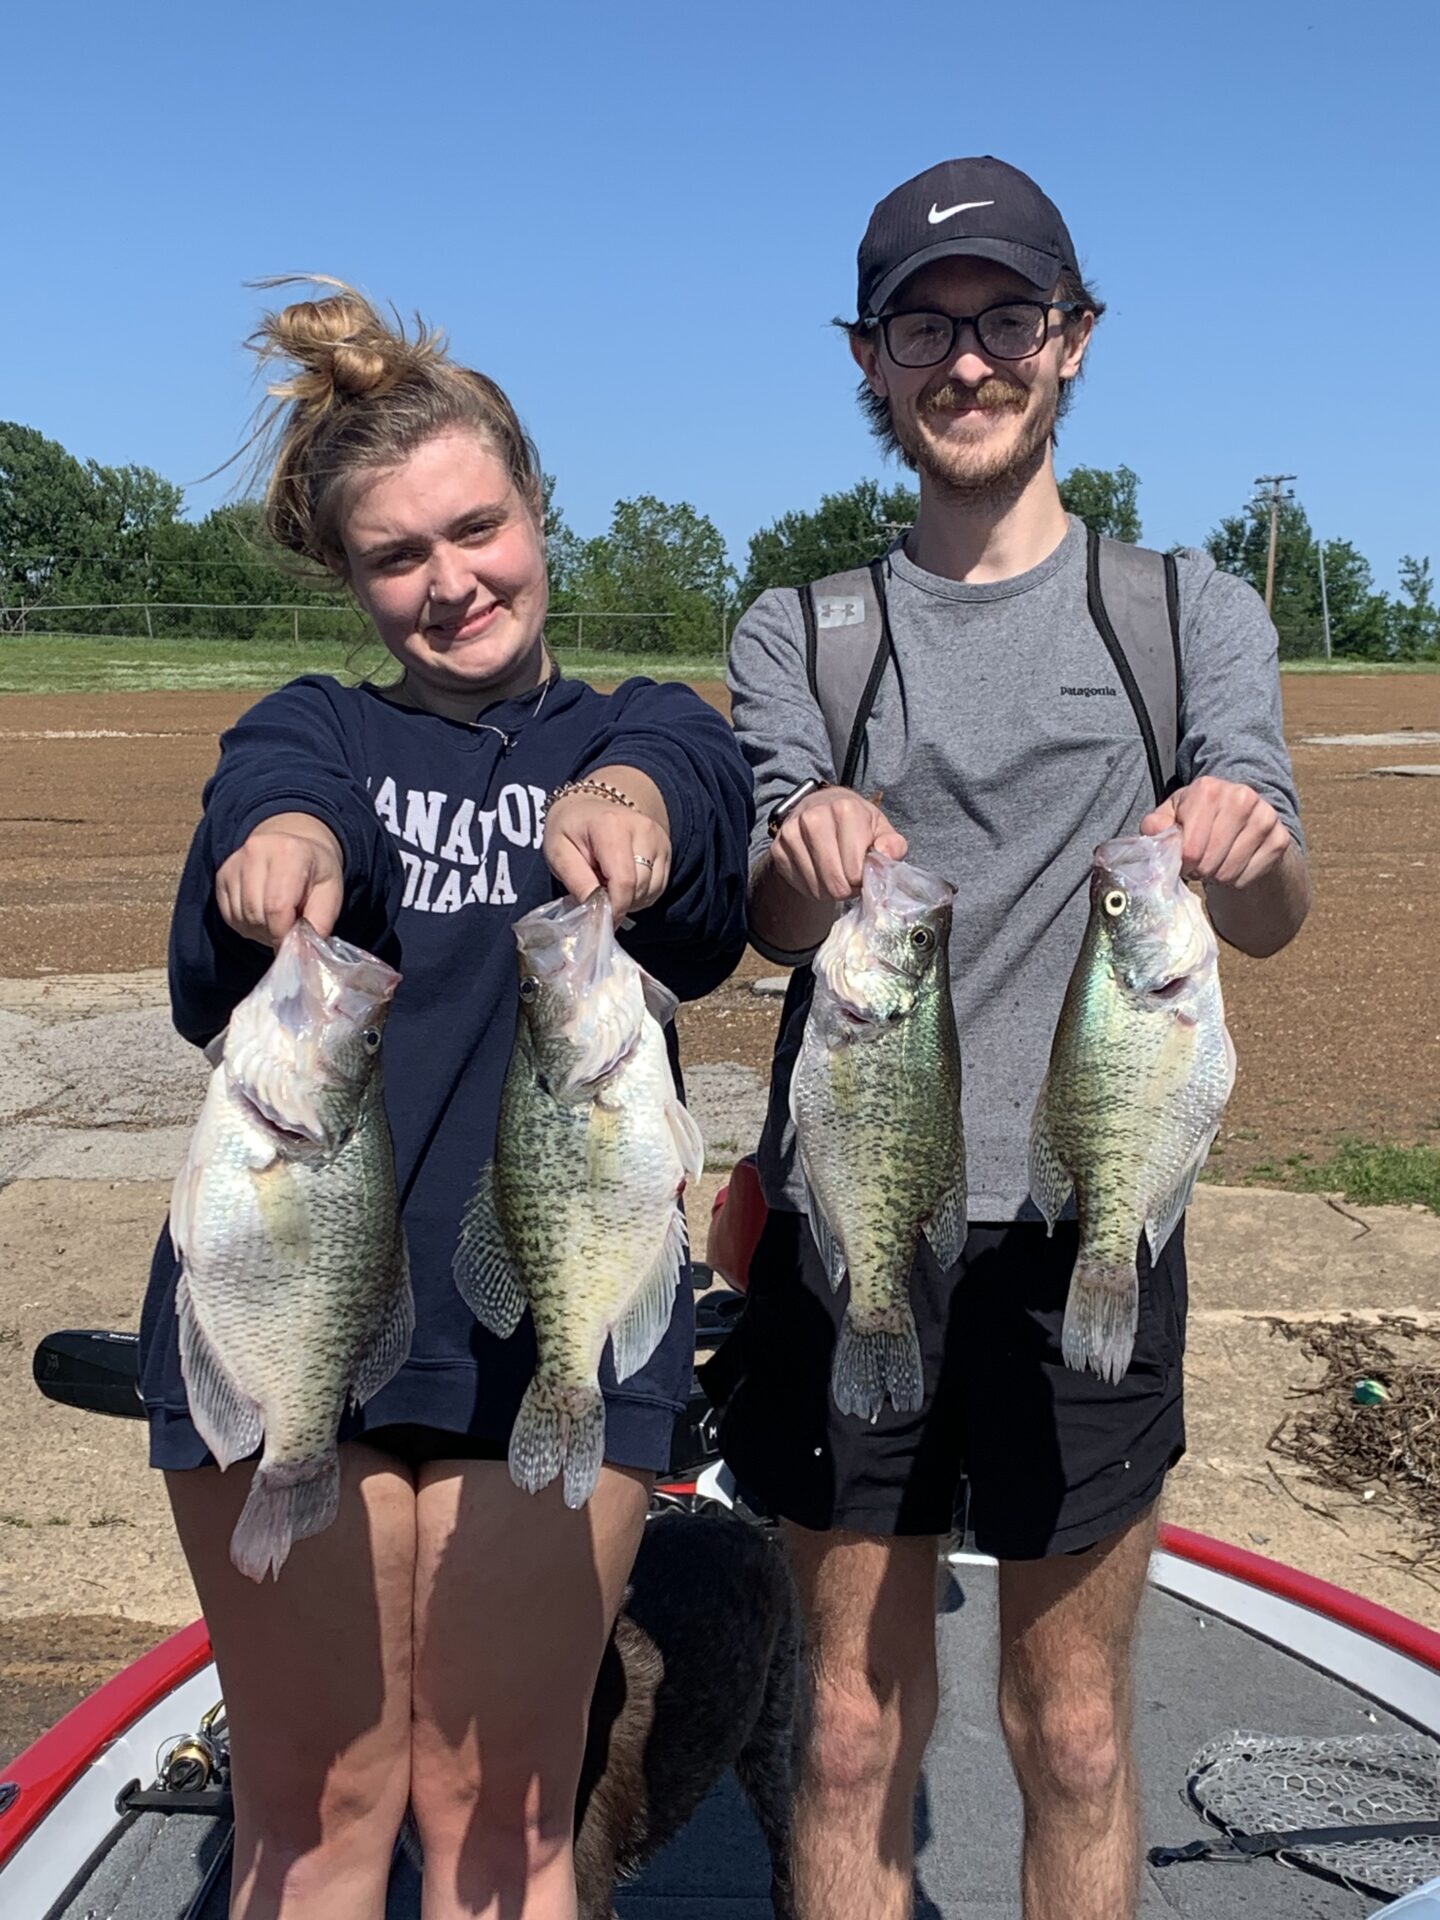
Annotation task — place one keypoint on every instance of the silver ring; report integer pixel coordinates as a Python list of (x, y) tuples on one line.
[(641, 861)]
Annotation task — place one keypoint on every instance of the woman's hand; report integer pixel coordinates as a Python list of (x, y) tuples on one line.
[(594, 842), (289, 868)]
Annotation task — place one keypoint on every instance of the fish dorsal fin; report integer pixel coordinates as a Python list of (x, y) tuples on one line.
[(390, 1348), (1050, 1181), (225, 1417), (689, 1141), (660, 1002), (832, 1254), (1165, 1216), (483, 1267), (641, 1328), (947, 1226)]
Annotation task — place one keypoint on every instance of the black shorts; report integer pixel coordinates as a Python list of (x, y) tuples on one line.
[(1055, 1460)]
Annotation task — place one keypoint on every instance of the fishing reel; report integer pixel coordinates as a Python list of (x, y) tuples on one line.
[(197, 1760), (192, 1772)]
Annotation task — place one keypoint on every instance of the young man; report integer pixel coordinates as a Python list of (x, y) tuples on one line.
[(989, 768)]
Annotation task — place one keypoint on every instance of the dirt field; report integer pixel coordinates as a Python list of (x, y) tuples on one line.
[(1340, 1036), (1336, 1036)]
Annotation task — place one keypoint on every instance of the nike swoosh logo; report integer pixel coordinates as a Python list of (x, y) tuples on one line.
[(937, 214)]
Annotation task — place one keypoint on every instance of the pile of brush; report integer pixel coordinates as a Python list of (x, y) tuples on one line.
[(1371, 1423)]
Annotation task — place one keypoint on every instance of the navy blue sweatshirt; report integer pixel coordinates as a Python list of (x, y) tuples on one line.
[(439, 822)]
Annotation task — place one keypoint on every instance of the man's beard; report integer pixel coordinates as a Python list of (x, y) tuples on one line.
[(985, 475)]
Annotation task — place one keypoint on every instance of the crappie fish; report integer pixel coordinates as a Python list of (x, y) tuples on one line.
[(1140, 1070), (578, 1215), (875, 1098), (294, 1292)]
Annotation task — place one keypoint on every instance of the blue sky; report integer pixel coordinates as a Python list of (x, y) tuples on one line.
[(639, 218)]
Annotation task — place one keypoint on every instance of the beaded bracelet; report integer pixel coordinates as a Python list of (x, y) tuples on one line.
[(601, 789)]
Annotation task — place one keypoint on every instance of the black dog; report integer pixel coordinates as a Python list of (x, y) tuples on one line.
[(702, 1673)]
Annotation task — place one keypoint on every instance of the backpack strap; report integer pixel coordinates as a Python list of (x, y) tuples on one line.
[(1134, 598), (847, 645)]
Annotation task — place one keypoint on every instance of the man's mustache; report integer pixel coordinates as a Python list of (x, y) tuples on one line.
[(991, 396)]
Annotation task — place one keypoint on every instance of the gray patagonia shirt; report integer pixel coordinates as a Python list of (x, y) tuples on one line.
[(1006, 750)]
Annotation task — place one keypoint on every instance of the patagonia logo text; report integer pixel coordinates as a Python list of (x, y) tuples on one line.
[(1089, 693)]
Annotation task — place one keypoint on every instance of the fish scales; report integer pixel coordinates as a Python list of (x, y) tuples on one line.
[(294, 1294), (876, 1102), (1140, 1071), (577, 1220)]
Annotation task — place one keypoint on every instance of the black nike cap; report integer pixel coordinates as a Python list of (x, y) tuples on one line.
[(980, 207)]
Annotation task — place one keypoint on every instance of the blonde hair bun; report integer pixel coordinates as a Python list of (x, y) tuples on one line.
[(362, 393), (341, 347)]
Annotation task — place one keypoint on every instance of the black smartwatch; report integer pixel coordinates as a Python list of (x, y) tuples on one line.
[(783, 809)]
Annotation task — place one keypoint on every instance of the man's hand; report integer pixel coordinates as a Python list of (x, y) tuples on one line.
[(1257, 882), (593, 842), (1232, 837), (290, 868), (820, 850)]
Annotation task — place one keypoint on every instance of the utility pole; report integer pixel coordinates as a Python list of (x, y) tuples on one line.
[(1324, 598), (1276, 483)]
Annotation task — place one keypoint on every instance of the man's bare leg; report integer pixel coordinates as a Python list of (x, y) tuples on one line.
[(869, 1606), (1066, 1630)]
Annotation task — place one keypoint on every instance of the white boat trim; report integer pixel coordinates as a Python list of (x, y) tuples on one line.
[(48, 1859)]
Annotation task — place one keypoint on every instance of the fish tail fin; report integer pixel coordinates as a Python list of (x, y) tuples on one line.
[(876, 1361), (288, 1501), (1100, 1317), (559, 1427)]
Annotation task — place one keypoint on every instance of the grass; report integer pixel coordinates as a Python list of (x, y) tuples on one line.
[(85, 663), (1360, 666), (1361, 1171), (81, 663)]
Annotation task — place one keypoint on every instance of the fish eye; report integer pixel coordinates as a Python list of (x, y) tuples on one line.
[(922, 939), (371, 1038), (529, 986), (1115, 902)]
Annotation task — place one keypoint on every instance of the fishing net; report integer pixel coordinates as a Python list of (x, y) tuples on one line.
[(1364, 1810), (1391, 1447)]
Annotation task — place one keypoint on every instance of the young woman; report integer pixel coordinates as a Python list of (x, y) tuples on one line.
[(439, 1642)]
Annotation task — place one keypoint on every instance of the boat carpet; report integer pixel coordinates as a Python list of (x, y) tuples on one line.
[(1197, 1677)]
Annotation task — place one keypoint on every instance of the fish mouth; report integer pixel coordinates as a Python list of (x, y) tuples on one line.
[(853, 1015), (571, 946), (300, 1138), (1167, 989), (283, 1039), (574, 934), (900, 890), (1142, 861)]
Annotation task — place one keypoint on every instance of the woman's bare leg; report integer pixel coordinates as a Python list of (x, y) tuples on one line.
[(515, 1596), (315, 1668)]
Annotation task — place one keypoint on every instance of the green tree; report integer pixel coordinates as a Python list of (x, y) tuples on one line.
[(1240, 545), (1106, 499), (47, 514), (1359, 616), (129, 510), (562, 548), (1415, 619), (845, 530), (659, 560)]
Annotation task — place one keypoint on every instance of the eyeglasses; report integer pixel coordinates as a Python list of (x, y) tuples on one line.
[(1011, 330)]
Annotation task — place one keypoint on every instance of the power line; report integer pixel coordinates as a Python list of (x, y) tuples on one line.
[(1277, 496)]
